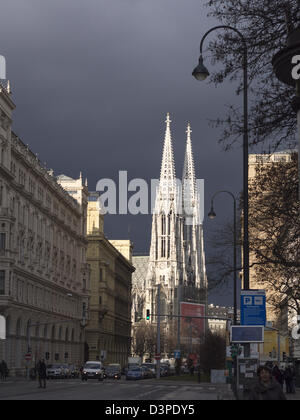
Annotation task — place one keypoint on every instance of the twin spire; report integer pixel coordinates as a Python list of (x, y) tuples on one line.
[(168, 167)]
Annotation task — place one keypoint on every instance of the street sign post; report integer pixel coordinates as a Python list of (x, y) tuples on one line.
[(253, 307), (28, 357)]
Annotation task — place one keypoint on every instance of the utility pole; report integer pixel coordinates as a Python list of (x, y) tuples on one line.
[(158, 334)]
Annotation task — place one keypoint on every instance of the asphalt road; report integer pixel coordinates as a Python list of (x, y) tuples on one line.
[(112, 390)]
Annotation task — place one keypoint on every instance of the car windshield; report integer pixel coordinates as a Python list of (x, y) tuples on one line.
[(54, 366), (112, 368), (135, 369), (149, 365), (92, 366)]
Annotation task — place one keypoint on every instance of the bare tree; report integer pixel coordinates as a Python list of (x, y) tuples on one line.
[(264, 24), (139, 339), (274, 225)]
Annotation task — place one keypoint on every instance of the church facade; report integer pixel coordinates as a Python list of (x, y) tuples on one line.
[(177, 259)]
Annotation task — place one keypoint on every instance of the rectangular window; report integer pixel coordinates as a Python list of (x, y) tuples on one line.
[(2, 282), (2, 241)]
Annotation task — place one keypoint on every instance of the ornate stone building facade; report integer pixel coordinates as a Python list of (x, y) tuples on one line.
[(44, 278), (108, 332)]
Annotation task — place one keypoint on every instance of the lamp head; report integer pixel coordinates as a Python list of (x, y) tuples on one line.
[(200, 72), (212, 215)]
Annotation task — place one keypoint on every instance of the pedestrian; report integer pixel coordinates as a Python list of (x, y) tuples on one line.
[(42, 372), (289, 376), (278, 375), (3, 370), (267, 388)]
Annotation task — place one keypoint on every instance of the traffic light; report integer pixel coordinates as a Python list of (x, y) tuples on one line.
[(148, 314), (235, 350)]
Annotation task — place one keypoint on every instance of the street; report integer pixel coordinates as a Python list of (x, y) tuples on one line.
[(113, 390)]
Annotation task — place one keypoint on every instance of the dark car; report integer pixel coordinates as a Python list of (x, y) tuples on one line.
[(164, 369), (113, 371), (134, 373)]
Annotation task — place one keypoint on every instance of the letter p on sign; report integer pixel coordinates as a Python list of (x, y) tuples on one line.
[(2, 67)]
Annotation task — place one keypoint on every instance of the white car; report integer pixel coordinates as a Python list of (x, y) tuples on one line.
[(93, 370), (54, 371)]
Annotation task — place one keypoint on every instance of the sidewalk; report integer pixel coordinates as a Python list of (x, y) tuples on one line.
[(15, 379), (294, 397)]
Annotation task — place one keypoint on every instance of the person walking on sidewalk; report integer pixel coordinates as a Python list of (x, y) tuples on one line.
[(42, 372), (289, 376), (3, 370), (278, 375), (267, 388)]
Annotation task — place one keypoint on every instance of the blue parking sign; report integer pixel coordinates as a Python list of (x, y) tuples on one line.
[(177, 354), (253, 307)]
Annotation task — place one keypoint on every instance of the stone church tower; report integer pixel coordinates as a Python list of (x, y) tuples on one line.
[(176, 259)]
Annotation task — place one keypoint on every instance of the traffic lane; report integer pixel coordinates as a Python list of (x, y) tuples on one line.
[(118, 390), (109, 390)]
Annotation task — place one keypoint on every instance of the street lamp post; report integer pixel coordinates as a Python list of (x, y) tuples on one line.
[(212, 215), (201, 73)]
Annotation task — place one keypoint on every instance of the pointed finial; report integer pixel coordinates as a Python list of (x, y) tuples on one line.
[(86, 182), (168, 121), (189, 130), (80, 175)]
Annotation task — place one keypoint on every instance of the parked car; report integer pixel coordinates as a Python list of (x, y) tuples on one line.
[(151, 366), (113, 371), (75, 371), (55, 371), (164, 369), (134, 373), (147, 373), (66, 371), (92, 370)]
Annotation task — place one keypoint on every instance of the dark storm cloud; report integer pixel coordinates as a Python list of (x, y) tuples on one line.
[(93, 81)]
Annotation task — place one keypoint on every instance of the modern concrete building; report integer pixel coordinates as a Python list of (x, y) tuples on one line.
[(44, 279)]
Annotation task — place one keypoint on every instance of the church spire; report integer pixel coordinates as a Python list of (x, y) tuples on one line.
[(189, 177), (167, 167)]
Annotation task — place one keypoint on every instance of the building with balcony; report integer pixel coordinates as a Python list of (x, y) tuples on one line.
[(44, 278)]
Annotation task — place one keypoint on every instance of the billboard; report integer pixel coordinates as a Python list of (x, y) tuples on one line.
[(192, 329)]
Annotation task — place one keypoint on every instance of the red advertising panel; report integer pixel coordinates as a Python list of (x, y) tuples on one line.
[(192, 329)]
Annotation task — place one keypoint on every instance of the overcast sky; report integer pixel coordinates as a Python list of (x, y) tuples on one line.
[(93, 81)]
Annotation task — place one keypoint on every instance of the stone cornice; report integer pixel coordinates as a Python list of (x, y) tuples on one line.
[(23, 153), (50, 215), (116, 253)]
